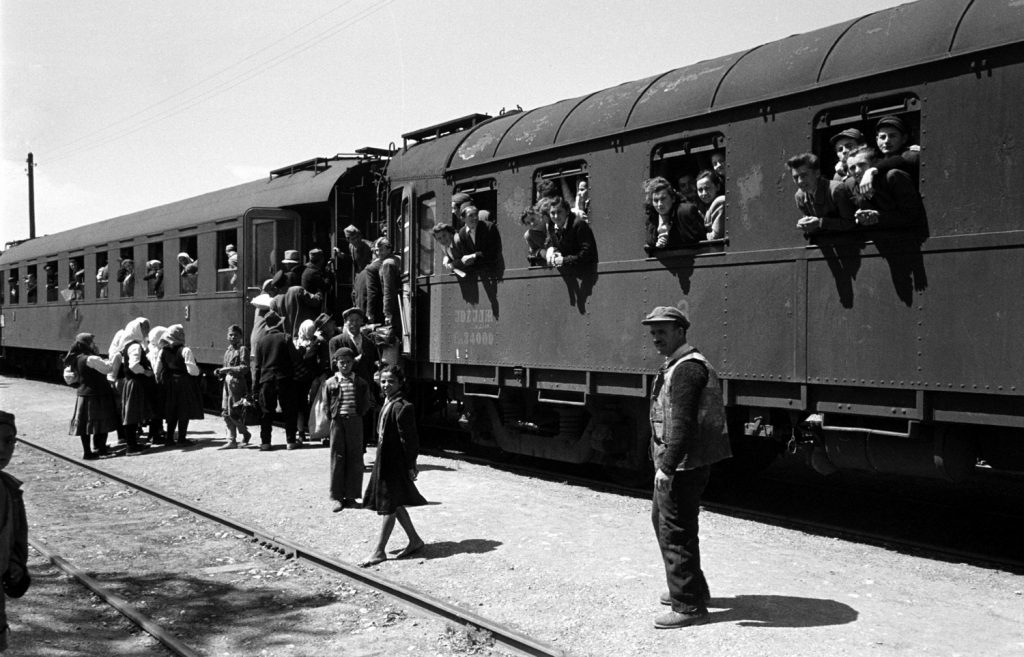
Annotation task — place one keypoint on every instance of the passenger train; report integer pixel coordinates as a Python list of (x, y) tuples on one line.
[(885, 350)]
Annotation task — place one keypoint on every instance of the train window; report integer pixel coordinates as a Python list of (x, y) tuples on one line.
[(76, 277), (227, 260), (3, 289), (31, 284), (188, 266), (570, 181), (483, 194), (12, 285), (52, 287), (695, 167), (126, 272), (155, 267), (426, 217), (838, 129), (102, 275)]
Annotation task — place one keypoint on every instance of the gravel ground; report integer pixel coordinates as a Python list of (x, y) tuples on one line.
[(579, 568)]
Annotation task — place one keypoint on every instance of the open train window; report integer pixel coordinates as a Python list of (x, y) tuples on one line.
[(426, 217), (76, 277), (227, 260), (52, 287), (571, 181), (188, 265), (32, 284), (13, 285), (484, 195), (126, 272), (695, 167), (102, 275), (863, 118), (155, 267)]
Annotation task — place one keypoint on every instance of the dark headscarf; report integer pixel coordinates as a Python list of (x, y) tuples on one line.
[(84, 344)]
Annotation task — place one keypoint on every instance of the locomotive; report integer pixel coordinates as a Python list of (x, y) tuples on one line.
[(883, 350)]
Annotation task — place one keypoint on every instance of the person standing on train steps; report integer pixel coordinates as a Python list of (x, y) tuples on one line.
[(688, 435), (14, 573), (383, 286)]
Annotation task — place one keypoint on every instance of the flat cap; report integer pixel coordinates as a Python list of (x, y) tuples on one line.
[(358, 311), (849, 133), (667, 314), (892, 122), (343, 352)]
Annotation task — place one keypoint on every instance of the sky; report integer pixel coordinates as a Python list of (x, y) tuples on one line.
[(130, 104)]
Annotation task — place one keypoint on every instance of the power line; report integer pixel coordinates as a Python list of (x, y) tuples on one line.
[(242, 77)]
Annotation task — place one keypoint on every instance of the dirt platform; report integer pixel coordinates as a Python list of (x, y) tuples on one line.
[(579, 568)]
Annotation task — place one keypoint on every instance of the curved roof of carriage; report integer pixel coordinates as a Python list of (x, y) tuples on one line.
[(907, 35), (298, 188)]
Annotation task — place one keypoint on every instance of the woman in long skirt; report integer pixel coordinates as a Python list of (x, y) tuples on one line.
[(134, 372), (180, 375), (95, 411), (392, 483)]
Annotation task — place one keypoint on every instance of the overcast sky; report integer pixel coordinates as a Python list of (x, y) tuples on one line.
[(129, 104)]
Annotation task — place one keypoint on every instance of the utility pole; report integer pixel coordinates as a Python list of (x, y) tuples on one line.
[(31, 200)]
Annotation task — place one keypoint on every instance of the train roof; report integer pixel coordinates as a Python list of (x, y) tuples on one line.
[(888, 40), (296, 186)]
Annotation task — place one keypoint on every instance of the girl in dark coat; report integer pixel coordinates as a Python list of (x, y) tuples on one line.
[(392, 486), (95, 410), (178, 371)]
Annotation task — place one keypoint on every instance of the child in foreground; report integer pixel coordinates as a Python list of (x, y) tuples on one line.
[(391, 487)]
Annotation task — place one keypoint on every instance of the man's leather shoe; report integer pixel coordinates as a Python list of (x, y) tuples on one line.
[(673, 619)]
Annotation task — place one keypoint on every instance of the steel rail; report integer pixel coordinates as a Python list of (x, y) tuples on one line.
[(501, 634), (128, 610)]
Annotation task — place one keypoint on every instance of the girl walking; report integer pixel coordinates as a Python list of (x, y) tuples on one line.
[(391, 487)]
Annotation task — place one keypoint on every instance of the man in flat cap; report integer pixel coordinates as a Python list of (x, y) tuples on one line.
[(843, 144), (350, 261), (687, 437), (892, 136)]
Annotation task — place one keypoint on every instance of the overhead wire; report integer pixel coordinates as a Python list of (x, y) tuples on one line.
[(240, 78)]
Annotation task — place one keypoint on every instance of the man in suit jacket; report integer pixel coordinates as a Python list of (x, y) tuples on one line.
[(477, 244), (383, 285)]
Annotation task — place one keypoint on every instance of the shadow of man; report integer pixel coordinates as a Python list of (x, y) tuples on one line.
[(780, 611), (579, 283)]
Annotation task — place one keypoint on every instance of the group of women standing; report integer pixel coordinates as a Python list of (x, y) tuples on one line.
[(148, 376)]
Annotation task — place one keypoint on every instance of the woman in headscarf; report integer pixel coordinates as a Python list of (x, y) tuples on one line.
[(178, 371), (133, 375), (154, 389), (95, 412), (307, 368), (189, 273)]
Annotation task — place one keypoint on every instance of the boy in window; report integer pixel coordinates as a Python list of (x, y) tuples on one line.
[(892, 137), (843, 143), (825, 204), (894, 201), (477, 243), (672, 222), (570, 240)]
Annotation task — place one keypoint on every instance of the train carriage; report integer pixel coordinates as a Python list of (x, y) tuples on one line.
[(898, 345), (296, 207)]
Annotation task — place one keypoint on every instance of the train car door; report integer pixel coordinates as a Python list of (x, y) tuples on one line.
[(400, 229), (268, 233)]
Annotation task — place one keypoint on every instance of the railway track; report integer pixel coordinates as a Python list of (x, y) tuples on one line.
[(502, 636), (806, 499)]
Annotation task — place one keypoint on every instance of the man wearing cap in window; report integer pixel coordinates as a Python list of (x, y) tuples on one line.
[(687, 436), (892, 136), (843, 144)]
